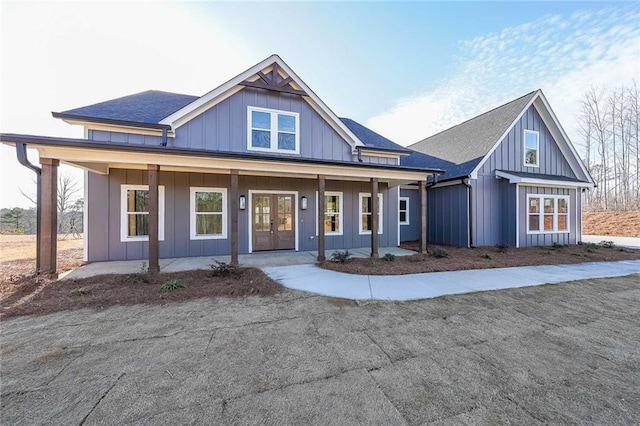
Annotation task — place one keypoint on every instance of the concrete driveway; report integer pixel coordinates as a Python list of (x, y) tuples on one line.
[(563, 354)]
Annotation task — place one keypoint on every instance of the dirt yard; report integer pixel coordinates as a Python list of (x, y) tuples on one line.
[(16, 247), (458, 258), (616, 224)]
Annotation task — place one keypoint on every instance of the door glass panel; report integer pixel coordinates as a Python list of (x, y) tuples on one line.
[(262, 213), (285, 214)]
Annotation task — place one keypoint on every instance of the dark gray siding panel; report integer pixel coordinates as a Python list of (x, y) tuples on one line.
[(509, 154), (118, 137), (411, 232), (528, 240), (104, 219), (447, 220), (224, 126)]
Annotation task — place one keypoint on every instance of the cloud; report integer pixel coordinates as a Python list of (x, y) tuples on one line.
[(562, 55)]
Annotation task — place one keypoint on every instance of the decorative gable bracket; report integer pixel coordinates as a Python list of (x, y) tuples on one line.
[(273, 81)]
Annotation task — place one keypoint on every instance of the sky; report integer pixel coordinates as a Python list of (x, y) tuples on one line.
[(406, 70)]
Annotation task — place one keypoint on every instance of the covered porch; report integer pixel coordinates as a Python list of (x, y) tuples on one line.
[(150, 161)]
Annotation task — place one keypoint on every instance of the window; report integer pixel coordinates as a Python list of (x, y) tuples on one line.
[(531, 148), (332, 213), (274, 131), (403, 211), (208, 212), (547, 214), (134, 213), (365, 213)]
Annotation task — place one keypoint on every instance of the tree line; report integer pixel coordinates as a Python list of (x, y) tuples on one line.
[(18, 220), (608, 124)]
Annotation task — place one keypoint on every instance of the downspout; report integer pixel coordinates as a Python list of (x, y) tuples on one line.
[(164, 137), (21, 152), (467, 183), (358, 148)]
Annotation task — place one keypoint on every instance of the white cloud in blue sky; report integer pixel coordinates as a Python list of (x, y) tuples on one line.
[(562, 55)]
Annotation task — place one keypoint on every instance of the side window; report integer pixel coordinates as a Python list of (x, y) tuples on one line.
[(547, 214), (208, 213), (365, 222), (273, 130), (403, 211), (531, 148), (134, 213)]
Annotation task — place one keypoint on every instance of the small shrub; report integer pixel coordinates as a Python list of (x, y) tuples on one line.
[(415, 258), (439, 253), (171, 285), (606, 244), (591, 246), (502, 248), (389, 257), (222, 269), (138, 277), (340, 256), (80, 291), (487, 256)]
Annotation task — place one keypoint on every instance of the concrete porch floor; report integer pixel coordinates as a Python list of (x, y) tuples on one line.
[(259, 260)]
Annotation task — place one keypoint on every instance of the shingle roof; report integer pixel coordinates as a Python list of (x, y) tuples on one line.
[(371, 138), (464, 145), (145, 107)]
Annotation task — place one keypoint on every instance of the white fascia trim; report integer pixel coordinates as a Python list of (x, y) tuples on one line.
[(340, 196), (474, 173), (192, 213), (541, 182), (124, 216), (273, 115), (222, 92), (361, 196)]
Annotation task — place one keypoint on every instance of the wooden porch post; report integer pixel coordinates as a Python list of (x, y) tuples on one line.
[(48, 237), (375, 207), (321, 207), (234, 217), (154, 207), (422, 187)]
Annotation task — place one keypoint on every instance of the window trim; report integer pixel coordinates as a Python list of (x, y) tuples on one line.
[(524, 147), (340, 196), (361, 196), (274, 130), (406, 210), (540, 214), (124, 214), (192, 213)]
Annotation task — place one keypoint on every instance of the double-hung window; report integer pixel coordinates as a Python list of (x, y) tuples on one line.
[(134, 213), (208, 212), (365, 216), (273, 130), (547, 214), (332, 213), (403, 210), (531, 148)]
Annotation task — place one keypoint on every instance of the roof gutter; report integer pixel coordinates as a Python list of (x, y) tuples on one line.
[(65, 116), (21, 153)]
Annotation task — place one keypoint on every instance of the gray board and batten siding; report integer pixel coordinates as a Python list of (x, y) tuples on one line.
[(104, 242), (223, 128), (411, 232)]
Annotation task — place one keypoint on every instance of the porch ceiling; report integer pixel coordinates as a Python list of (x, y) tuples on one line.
[(100, 157)]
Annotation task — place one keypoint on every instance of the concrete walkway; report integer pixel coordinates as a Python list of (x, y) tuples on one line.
[(428, 285), (628, 242), (258, 260)]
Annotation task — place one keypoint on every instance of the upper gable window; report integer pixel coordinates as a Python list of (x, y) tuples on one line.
[(273, 130), (531, 148)]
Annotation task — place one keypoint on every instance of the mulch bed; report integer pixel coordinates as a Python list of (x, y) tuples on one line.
[(30, 295), (459, 258)]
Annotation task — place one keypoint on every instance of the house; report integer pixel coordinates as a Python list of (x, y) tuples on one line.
[(259, 163), (512, 178)]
